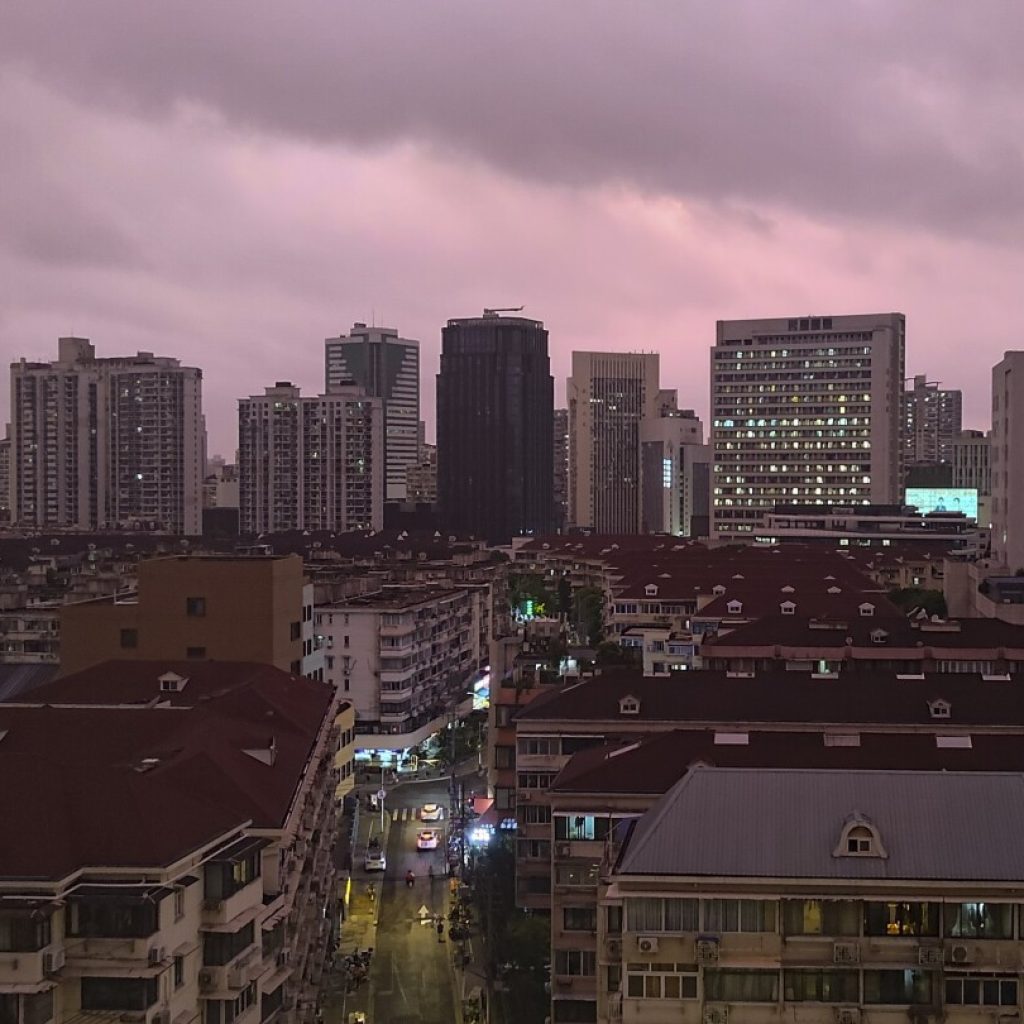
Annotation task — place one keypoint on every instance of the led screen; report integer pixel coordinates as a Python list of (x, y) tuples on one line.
[(944, 499)]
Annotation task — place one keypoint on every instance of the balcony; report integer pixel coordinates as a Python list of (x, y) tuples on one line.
[(31, 968)]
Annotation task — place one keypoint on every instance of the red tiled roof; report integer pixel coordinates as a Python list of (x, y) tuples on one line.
[(141, 785)]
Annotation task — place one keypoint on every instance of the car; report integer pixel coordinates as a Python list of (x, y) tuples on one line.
[(430, 812), (375, 860), (427, 840)]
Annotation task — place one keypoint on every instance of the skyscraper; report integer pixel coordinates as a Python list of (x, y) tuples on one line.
[(560, 458), (675, 465), (1007, 451), (313, 463), (805, 410), (107, 443), (610, 394), (495, 399), (385, 366), (931, 422)]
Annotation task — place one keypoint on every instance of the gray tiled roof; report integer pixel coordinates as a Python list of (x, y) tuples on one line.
[(739, 822), (17, 680)]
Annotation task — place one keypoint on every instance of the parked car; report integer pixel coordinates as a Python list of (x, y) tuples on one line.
[(427, 840)]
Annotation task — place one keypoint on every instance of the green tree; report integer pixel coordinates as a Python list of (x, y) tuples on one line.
[(525, 942), (907, 599), (589, 616), (564, 596)]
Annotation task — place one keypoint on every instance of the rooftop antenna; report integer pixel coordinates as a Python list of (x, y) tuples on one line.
[(502, 309)]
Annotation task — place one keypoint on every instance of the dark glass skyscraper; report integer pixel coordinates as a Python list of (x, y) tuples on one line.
[(495, 400)]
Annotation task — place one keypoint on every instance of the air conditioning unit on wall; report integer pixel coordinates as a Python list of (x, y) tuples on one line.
[(647, 944)]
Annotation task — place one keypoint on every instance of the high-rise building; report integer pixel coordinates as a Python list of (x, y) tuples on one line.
[(808, 410), (971, 461), (560, 458), (313, 463), (421, 477), (5, 478), (1008, 461), (107, 443), (675, 469), (610, 395), (495, 399), (387, 367), (931, 422)]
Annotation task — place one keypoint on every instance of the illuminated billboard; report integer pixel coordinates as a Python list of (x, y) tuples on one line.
[(944, 499)]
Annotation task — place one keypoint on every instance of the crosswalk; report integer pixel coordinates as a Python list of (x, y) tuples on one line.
[(409, 814)]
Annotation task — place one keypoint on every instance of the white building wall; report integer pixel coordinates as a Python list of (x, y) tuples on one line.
[(1007, 453)]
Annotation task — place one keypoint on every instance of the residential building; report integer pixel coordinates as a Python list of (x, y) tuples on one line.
[(30, 635), (198, 607), (421, 476), (864, 902), (313, 463), (188, 874), (5, 478), (405, 656), (387, 367), (1007, 451), (674, 490), (931, 422), (220, 486), (805, 409), (99, 443), (560, 458), (972, 468), (495, 398), (610, 396)]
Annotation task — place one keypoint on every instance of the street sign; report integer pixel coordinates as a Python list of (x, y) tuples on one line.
[(381, 793)]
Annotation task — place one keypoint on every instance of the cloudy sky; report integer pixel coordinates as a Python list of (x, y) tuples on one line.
[(231, 182)]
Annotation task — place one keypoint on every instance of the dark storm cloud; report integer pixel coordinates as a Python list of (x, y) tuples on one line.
[(870, 110)]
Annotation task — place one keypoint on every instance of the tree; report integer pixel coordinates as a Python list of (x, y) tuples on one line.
[(590, 614), (564, 596), (525, 942), (907, 599)]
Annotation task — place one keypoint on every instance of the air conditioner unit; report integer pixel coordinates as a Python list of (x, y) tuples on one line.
[(206, 980), (524, 797), (929, 956), (716, 1014), (846, 1015), (647, 944), (156, 955), (845, 953), (707, 950), (238, 977), (563, 850), (960, 955), (53, 961)]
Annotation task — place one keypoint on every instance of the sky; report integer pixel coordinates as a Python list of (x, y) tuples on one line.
[(230, 183)]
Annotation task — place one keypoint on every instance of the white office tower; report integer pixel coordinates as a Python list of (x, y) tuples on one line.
[(111, 443), (805, 410), (387, 367), (1007, 452), (312, 463), (610, 394)]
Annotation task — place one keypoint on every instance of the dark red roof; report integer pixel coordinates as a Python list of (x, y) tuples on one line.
[(142, 784)]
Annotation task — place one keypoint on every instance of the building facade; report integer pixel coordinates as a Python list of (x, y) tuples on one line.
[(672, 454), (560, 458), (495, 399), (106, 443), (1007, 458), (313, 463), (931, 422), (805, 409), (387, 367), (610, 396), (5, 479), (421, 477)]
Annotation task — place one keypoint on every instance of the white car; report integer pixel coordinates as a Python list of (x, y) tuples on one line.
[(430, 812), (375, 860), (426, 840)]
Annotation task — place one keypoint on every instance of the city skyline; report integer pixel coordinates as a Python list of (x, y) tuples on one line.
[(356, 195)]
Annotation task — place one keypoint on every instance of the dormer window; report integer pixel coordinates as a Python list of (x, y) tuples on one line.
[(629, 705), (859, 838), (867, 610), (651, 590), (734, 607), (788, 589), (879, 636), (834, 590), (718, 590), (940, 708), (171, 682), (787, 608)]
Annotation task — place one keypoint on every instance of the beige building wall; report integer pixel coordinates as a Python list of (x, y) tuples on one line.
[(1007, 461)]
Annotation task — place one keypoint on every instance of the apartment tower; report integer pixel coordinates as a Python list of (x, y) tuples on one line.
[(560, 458), (387, 367), (805, 410), (495, 400), (610, 395), (110, 443), (313, 463), (1007, 451), (931, 422)]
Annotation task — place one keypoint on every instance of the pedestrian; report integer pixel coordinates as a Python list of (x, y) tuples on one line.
[(440, 930)]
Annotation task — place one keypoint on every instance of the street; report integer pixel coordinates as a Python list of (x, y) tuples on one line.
[(411, 978)]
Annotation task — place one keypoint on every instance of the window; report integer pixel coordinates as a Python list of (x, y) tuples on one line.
[(38, 1008), (223, 878), (822, 986), (179, 971), (129, 638), (195, 652), (614, 978), (224, 1011), (576, 874), (614, 920), (220, 948), (859, 838), (179, 904), (535, 814), (22, 932), (118, 993), (504, 757), (661, 981), (901, 919), (979, 920), (820, 917), (581, 827), (981, 990), (651, 914), (898, 988), (295, 631), (538, 745), (739, 916), (579, 919), (533, 849), (195, 607), (629, 706), (111, 918), (574, 1011), (580, 963), (535, 780), (739, 986)]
